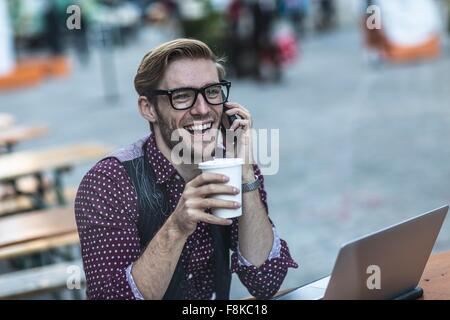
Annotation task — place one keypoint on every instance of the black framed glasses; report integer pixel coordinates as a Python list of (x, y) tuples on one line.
[(185, 98)]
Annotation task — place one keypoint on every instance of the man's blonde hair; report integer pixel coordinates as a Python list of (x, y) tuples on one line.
[(154, 64)]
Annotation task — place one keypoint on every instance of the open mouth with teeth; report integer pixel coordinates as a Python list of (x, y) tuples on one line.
[(198, 128)]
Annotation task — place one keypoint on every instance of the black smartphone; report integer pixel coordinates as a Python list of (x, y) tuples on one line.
[(226, 124), (228, 120)]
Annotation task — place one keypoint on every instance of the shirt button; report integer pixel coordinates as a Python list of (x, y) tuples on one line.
[(177, 177), (190, 276)]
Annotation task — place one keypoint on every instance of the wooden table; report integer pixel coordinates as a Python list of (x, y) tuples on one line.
[(436, 277), (58, 160), (37, 231), (12, 136), (25, 163)]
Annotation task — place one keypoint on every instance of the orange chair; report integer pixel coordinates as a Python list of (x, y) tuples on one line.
[(376, 40), (32, 71), (57, 66), (24, 74)]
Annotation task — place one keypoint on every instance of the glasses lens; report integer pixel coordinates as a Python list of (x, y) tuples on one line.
[(216, 94), (183, 99)]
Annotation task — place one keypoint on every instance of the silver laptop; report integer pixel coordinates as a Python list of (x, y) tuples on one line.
[(387, 264)]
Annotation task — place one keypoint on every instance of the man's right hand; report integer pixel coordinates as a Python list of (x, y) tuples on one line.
[(194, 201)]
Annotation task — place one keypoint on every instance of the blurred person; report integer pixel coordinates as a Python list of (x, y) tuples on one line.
[(173, 12), (327, 13), (240, 30), (296, 11), (285, 42), (53, 30), (251, 46), (145, 222), (172, 6), (264, 15), (80, 36), (448, 16)]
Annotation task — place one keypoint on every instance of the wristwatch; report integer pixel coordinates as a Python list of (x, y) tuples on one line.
[(247, 187)]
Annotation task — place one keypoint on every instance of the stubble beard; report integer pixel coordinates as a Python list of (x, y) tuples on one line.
[(195, 146)]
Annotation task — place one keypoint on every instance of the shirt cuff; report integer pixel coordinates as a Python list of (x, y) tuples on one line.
[(274, 253), (137, 294)]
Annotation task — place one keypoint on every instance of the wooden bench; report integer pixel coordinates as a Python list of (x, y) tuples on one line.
[(25, 283), (39, 245), (22, 203), (37, 232), (15, 204), (39, 163), (40, 224), (12, 136)]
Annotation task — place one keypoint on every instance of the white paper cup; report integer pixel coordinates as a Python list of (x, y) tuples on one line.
[(232, 168)]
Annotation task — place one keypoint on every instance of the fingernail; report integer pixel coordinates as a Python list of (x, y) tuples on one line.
[(229, 221), (237, 204), (225, 178)]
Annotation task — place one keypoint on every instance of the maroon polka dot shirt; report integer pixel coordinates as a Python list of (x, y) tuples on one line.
[(106, 210)]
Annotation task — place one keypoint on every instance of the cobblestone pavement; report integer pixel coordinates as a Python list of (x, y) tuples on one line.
[(360, 147)]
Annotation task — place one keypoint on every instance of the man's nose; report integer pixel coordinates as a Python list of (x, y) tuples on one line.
[(201, 107)]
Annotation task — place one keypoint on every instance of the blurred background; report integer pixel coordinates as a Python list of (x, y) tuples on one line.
[(364, 116)]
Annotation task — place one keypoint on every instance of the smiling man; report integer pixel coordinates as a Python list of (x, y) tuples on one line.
[(144, 218)]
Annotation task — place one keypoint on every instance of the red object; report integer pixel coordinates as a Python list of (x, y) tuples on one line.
[(287, 49)]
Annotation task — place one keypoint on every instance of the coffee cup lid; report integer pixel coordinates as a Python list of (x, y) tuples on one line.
[(221, 163)]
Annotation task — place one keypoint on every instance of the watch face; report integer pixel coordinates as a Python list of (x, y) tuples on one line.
[(251, 186)]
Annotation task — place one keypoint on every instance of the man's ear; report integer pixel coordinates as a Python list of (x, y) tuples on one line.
[(147, 109)]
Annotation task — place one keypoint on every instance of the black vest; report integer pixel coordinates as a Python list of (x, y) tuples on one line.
[(153, 210)]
